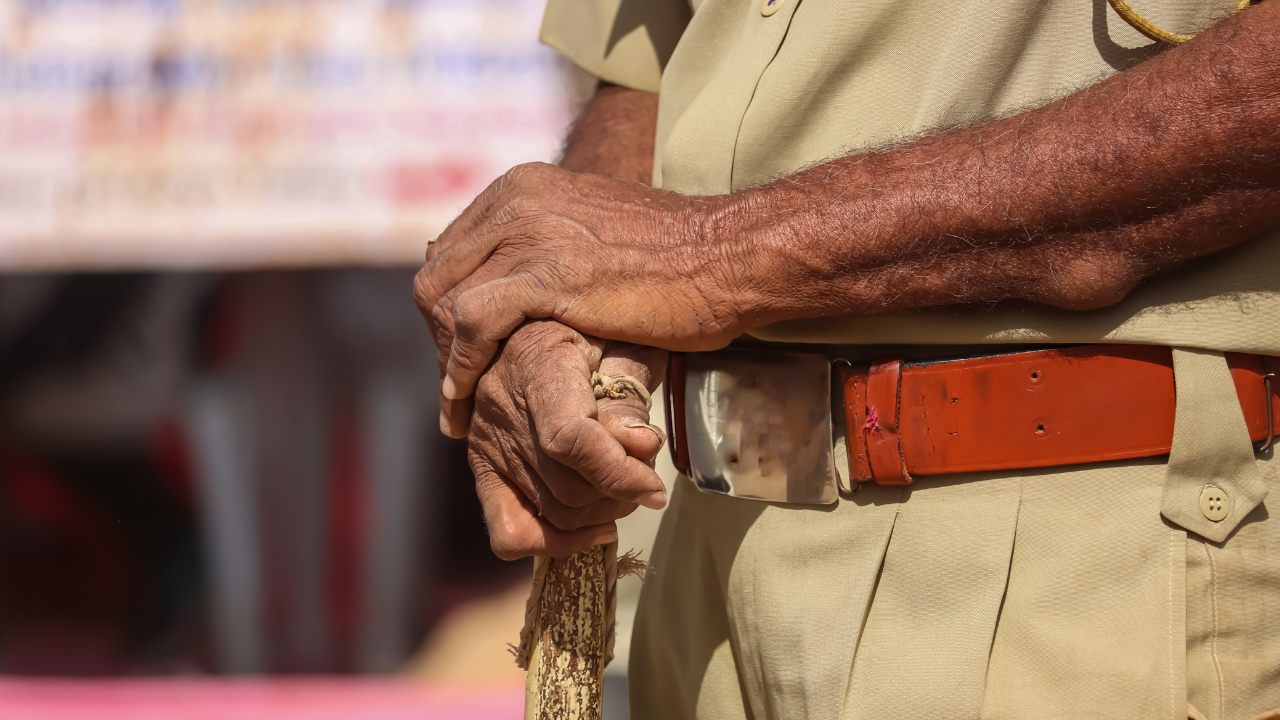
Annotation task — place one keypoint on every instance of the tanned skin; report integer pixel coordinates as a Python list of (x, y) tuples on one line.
[(554, 467), (614, 135), (1070, 205)]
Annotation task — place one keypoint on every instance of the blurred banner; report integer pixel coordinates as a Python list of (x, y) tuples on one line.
[(252, 133)]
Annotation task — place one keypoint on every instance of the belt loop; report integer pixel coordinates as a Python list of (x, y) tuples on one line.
[(1268, 378), (884, 446), (853, 401), (841, 372), (1211, 449), (673, 408)]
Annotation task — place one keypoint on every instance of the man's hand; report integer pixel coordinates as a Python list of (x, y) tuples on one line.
[(594, 252), (554, 466), (613, 137), (1070, 204)]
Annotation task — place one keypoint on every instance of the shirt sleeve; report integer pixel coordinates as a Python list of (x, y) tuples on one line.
[(625, 42)]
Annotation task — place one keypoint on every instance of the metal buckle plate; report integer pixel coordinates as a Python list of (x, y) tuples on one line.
[(758, 425)]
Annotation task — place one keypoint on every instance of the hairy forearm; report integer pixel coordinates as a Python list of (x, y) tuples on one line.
[(614, 135), (1070, 204)]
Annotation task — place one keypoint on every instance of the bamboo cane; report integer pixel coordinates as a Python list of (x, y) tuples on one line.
[(569, 619), (567, 659)]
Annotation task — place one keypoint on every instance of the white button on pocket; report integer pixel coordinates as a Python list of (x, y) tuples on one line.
[(770, 7), (1215, 504)]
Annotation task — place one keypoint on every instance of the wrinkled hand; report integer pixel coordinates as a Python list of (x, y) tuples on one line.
[(607, 257), (555, 467)]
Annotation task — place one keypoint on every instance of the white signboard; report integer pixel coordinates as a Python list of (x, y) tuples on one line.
[(250, 133)]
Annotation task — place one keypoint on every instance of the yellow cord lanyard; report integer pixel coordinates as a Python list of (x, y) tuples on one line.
[(1150, 29)]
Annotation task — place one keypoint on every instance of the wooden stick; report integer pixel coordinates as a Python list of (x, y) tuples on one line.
[(566, 665)]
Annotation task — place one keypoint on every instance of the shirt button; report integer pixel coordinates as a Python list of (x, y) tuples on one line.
[(1215, 504), (770, 7)]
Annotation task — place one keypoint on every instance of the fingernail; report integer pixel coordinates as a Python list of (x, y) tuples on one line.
[(605, 539), (448, 390), (654, 500), (444, 423), (662, 436)]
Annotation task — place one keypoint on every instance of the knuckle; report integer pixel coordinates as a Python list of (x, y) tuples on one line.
[(560, 438), (468, 310), (547, 346), (512, 178), (490, 394), (528, 171), (442, 316), (509, 212), (466, 360), (609, 478), (423, 289)]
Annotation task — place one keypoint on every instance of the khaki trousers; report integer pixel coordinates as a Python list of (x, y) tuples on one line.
[(1030, 594)]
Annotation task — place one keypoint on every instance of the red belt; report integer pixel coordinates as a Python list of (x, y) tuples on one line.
[(1025, 410)]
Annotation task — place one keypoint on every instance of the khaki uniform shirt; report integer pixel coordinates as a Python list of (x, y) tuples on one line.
[(746, 98), (1094, 591)]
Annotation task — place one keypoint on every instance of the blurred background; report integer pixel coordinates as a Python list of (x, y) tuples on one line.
[(222, 489)]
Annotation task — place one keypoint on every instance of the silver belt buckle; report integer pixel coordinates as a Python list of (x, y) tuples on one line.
[(758, 425)]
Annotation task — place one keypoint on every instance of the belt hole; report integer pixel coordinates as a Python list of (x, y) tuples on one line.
[(1040, 430), (1035, 375)]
